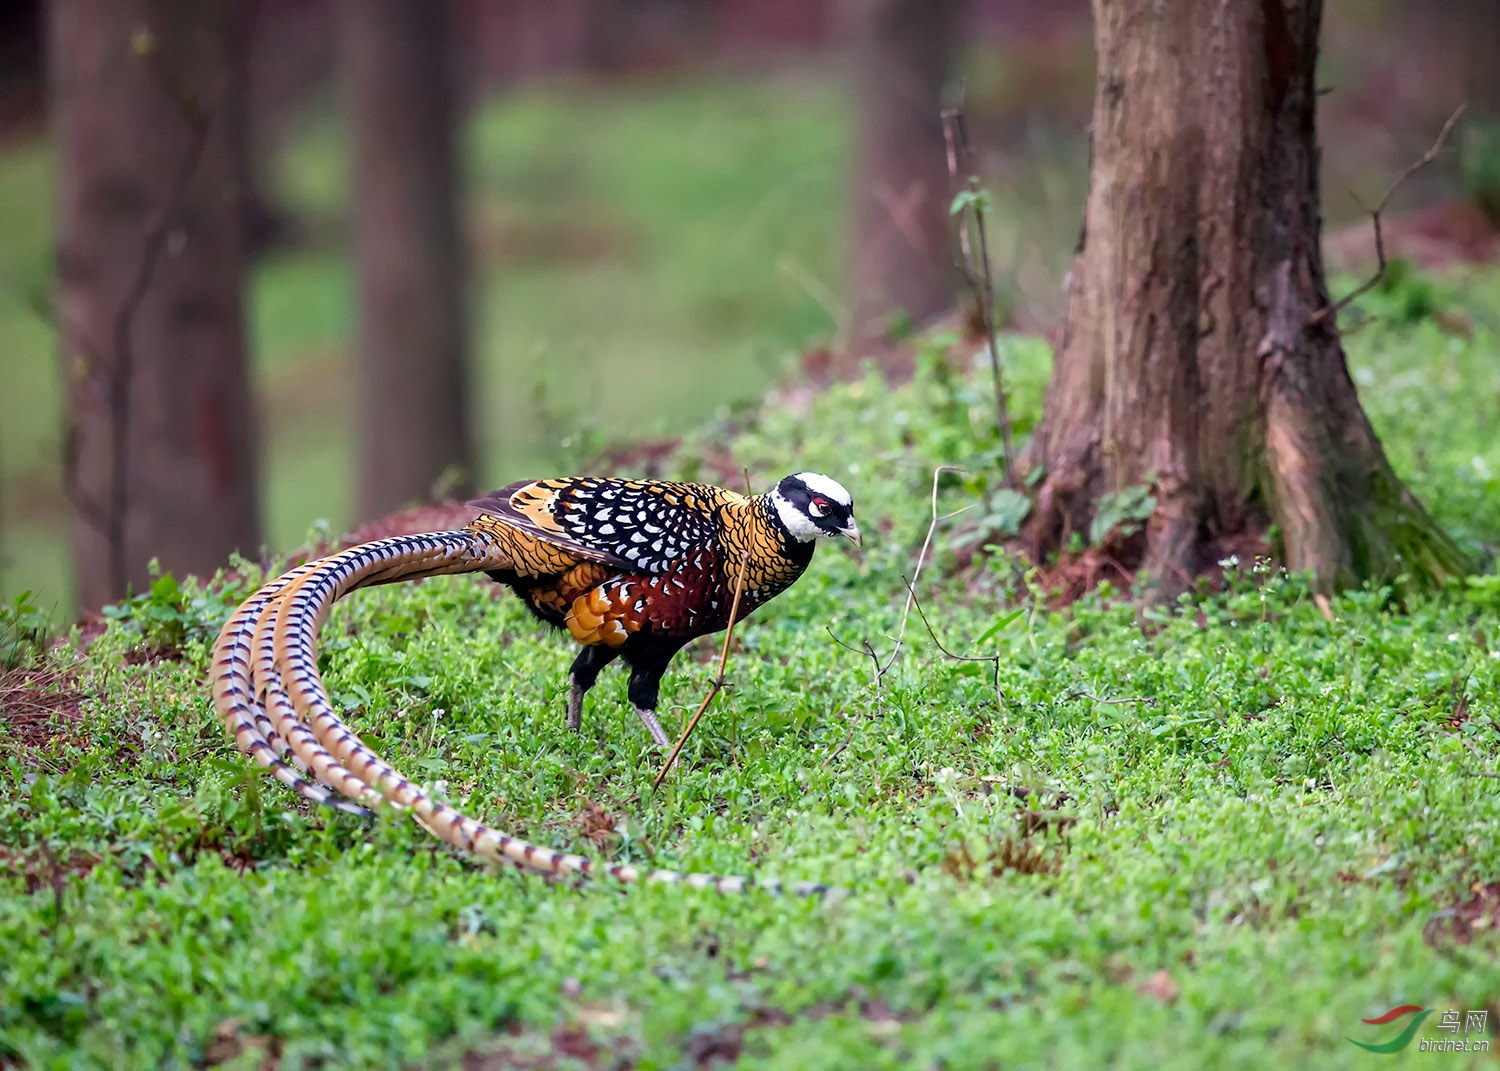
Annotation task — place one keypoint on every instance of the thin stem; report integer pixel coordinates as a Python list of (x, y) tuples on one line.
[(734, 609), (1375, 216), (980, 280)]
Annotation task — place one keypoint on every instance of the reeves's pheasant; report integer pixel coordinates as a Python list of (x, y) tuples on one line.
[(634, 569)]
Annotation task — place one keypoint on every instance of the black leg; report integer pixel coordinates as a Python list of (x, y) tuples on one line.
[(645, 685), (646, 667), (585, 671)]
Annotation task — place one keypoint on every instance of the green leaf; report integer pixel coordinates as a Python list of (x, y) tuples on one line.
[(995, 629), (1008, 509), (978, 200), (1125, 509)]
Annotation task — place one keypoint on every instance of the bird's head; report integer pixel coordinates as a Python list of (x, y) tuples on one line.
[(811, 505)]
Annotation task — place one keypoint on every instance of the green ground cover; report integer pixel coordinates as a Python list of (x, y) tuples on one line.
[(1264, 816)]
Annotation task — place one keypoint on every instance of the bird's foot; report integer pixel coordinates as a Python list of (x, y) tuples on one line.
[(654, 727), (575, 707)]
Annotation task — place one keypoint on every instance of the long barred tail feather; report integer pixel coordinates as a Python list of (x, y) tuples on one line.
[(245, 719), (269, 647)]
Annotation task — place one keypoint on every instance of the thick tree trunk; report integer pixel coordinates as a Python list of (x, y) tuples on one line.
[(261, 221), (900, 252), (1197, 357), (414, 424), (161, 458)]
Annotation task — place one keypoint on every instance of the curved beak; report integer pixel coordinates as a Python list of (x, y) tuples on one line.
[(851, 533)]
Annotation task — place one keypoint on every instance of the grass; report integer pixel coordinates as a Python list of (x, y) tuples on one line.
[(1255, 818)]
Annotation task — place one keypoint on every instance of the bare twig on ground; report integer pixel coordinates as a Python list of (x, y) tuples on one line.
[(900, 638), (911, 594), (977, 272), (868, 648), (993, 659), (843, 745), (1375, 217), (719, 681), (1079, 693)]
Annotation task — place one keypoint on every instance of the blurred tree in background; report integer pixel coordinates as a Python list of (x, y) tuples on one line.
[(668, 204), (160, 451), (249, 135), (413, 383), (901, 260), (1467, 34)]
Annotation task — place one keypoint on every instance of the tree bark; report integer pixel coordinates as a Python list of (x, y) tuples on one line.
[(160, 446), (901, 260), (414, 425), (1198, 357), (262, 223)]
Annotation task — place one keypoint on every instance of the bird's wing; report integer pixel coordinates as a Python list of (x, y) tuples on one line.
[(640, 526)]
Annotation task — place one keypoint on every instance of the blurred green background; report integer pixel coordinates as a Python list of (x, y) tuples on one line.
[(647, 250), (642, 257)]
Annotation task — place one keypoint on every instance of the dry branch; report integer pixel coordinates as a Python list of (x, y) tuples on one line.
[(866, 647), (110, 516), (900, 638), (994, 659), (1375, 217), (718, 683)]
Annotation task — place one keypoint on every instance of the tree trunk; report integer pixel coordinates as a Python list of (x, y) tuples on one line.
[(901, 257), (414, 426), (160, 446), (1198, 356), (262, 223)]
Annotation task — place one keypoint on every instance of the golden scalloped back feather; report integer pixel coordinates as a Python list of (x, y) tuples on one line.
[(535, 501), (594, 619), (532, 556)]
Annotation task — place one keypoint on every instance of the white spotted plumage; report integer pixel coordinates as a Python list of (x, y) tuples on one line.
[(667, 525)]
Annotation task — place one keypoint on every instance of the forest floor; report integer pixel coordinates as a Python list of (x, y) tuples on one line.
[(1221, 840)]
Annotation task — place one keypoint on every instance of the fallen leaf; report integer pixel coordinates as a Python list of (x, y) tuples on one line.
[(1160, 986)]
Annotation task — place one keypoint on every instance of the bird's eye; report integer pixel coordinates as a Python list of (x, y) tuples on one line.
[(818, 507)]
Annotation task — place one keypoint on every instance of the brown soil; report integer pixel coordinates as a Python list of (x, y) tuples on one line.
[(1471, 918), (42, 868), (1441, 235), (720, 1046), (39, 707)]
